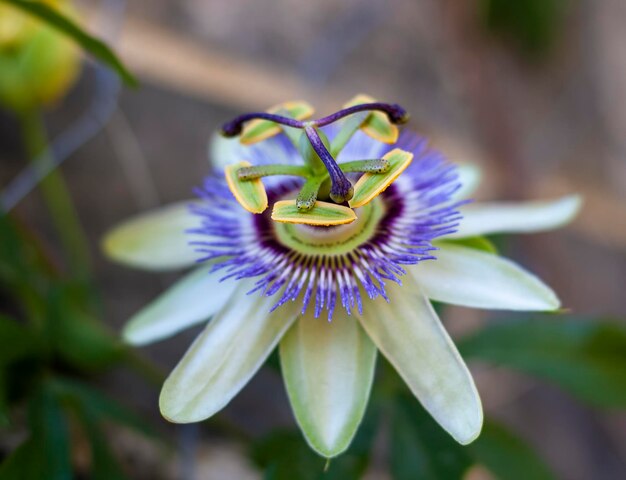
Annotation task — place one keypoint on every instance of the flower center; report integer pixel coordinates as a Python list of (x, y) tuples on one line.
[(327, 197), (338, 240)]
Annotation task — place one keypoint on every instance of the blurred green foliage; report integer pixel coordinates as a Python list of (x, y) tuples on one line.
[(586, 357), (70, 28), (283, 454), (51, 348), (531, 26)]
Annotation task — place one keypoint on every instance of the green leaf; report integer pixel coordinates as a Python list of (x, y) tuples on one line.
[(97, 405), (322, 213), (94, 46), (250, 194), (24, 271), (17, 341), (76, 336), (46, 453), (24, 463), (532, 25), (370, 185), (585, 357), (508, 456), (284, 456), (420, 449), (93, 409), (104, 465)]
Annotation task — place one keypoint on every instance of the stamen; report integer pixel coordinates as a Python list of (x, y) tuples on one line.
[(330, 256), (308, 193), (379, 165), (341, 190), (315, 151), (258, 171), (395, 113), (235, 127)]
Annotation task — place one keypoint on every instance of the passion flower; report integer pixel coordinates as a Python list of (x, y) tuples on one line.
[(365, 226)]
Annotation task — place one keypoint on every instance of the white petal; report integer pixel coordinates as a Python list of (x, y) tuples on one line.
[(519, 217), (328, 369), (191, 300), (473, 278), (224, 151), (155, 240), (225, 356), (470, 176), (408, 332)]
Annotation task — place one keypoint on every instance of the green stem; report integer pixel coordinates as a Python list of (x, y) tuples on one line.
[(56, 196), (250, 173), (348, 129), (308, 194)]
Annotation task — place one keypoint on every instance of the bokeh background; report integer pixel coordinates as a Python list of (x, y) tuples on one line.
[(533, 91)]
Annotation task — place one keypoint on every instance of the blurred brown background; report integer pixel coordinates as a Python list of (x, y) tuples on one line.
[(543, 114)]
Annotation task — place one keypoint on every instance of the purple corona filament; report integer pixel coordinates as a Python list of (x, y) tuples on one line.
[(416, 209), (341, 189)]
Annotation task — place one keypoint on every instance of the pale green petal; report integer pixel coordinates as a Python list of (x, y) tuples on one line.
[(225, 151), (225, 356), (328, 369), (191, 300), (473, 278), (409, 333), (155, 240), (470, 176), (519, 217)]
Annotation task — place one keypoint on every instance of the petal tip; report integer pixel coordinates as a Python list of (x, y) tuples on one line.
[(473, 426), (130, 337), (175, 410), (329, 452), (572, 204)]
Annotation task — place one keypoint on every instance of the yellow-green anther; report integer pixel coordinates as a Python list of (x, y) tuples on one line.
[(250, 194), (370, 185), (322, 214)]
